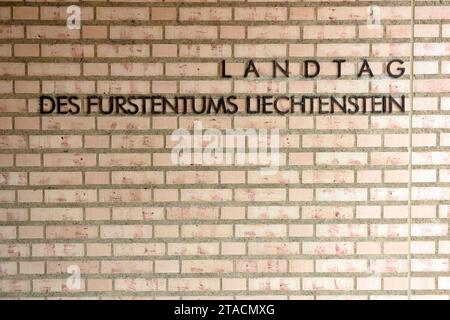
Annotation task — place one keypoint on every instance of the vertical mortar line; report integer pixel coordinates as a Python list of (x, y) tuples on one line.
[(286, 147), (41, 159), (410, 122)]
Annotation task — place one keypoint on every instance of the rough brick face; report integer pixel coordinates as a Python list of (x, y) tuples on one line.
[(99, 193)]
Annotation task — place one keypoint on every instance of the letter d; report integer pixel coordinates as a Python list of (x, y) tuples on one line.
[(41, 104)]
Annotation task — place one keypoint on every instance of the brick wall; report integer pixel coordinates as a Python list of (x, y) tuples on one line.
[(351, 213)]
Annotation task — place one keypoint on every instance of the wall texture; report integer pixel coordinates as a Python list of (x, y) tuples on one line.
[(352, 213)]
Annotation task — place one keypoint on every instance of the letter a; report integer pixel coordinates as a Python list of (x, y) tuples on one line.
[(74, 18)]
